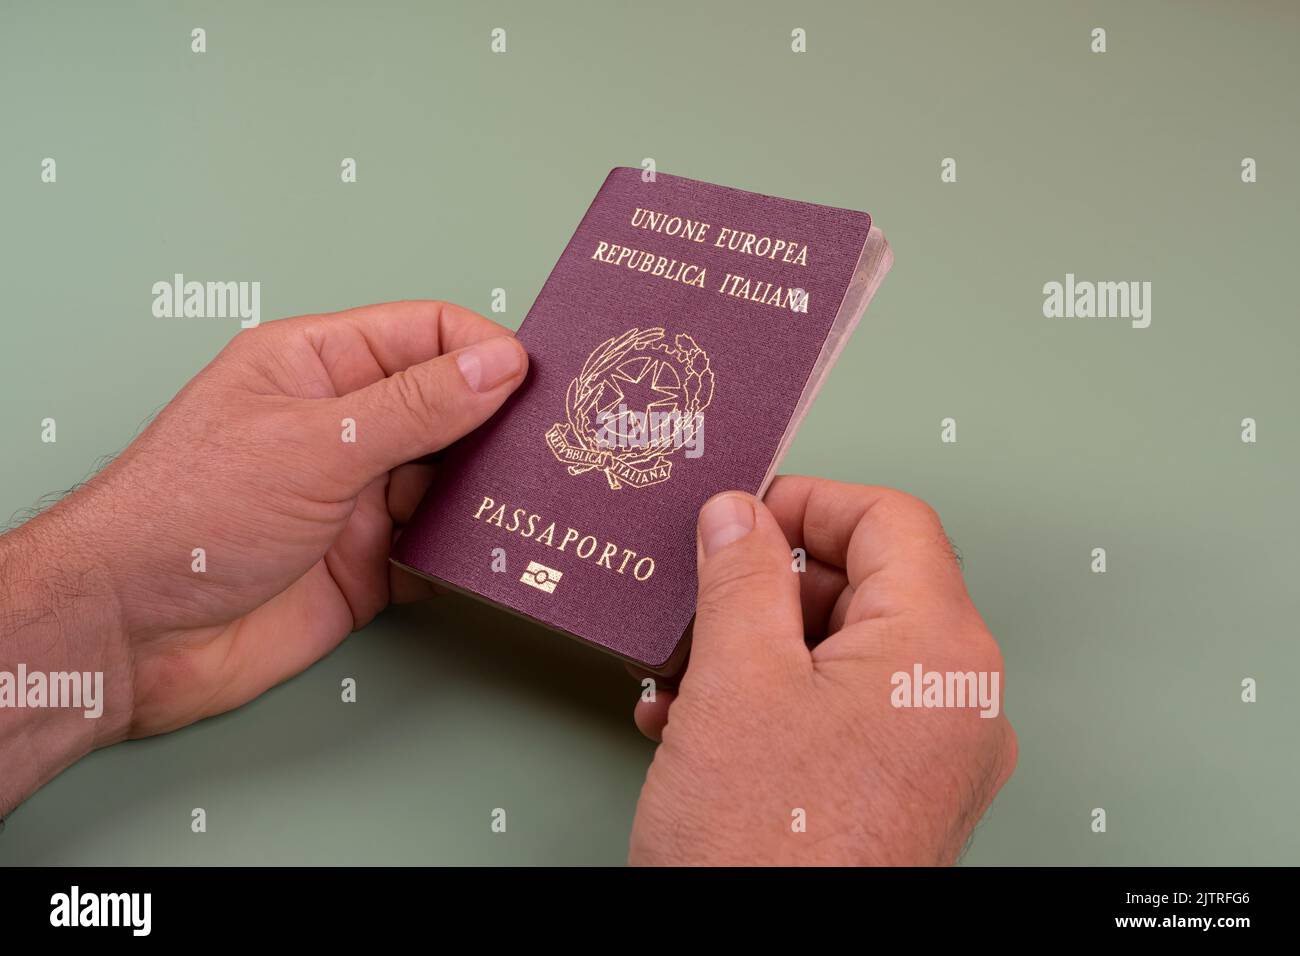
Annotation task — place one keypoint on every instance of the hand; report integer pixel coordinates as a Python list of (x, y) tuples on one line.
[(249, 463), (787, 704)]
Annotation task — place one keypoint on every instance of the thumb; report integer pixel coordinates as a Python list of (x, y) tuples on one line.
[(426, 407), (748, 610)]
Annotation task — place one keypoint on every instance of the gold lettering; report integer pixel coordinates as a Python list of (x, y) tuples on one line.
[(698, 279), (586, 546), (640, 260)]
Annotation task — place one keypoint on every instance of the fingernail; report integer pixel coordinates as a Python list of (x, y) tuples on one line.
[(491, 362), (723, 520)]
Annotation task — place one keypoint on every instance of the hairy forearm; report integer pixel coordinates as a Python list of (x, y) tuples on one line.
[(64, 663)]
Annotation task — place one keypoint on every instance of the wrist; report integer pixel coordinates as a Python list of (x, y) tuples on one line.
[(65, 659)]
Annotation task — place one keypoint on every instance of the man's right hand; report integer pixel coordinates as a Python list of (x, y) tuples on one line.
[(783, 744)]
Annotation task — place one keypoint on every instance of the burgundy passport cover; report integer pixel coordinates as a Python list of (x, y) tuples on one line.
[(672, 295)]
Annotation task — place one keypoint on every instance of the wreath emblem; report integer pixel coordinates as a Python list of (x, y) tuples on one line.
[(635, 402)]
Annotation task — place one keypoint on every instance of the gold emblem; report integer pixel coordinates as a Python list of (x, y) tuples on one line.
[(636, 402), (541, 577)]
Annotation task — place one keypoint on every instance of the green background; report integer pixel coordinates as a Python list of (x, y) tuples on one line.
[(474, 168)]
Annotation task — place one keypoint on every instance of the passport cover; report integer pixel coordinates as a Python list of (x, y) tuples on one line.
[(673, 350)]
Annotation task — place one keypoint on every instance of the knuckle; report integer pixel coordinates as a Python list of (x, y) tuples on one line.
[(741, 579), (1008, 745), (982, 642), (262, 335), (908, 506), (990, 655), (249, 336), (739, 590), (908, 511), (244, 342), (257, 347), (978, 652), (431, 310), (420, 396)]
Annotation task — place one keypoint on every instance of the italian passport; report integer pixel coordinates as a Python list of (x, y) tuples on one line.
[(674, 350)]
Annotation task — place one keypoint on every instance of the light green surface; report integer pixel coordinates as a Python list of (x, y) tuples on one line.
[(474, 169)]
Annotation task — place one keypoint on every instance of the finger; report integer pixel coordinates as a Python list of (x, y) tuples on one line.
[(274, 642), (656, 693), (641, 675), (406, 487), (357, 560), (405, 587), (821, 587), (359, 347), (421, 409), (892, 546), (748, 612), (651, 716)]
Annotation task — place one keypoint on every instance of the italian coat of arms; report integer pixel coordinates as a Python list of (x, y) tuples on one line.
[(636, 401)]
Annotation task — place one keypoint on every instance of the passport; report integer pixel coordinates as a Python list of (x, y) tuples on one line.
[(673, 352)]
